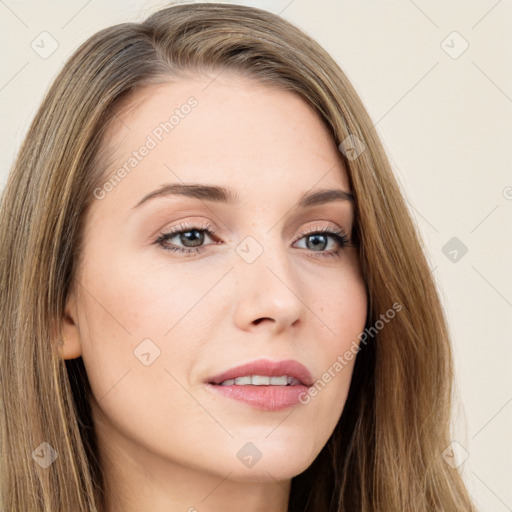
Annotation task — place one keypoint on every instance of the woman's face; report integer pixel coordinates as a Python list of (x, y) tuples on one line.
[(154, 326)]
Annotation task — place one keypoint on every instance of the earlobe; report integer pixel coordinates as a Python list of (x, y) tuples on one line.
[(70, 346), (69, 349)]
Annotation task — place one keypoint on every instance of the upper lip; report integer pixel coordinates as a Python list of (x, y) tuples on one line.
[(267, 367)]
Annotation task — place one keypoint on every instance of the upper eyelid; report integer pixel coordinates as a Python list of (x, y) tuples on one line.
[(184, 226), (212, 231)]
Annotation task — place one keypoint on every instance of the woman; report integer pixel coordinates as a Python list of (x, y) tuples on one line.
[(213, 295)]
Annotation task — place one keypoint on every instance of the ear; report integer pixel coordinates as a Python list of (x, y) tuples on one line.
[(70, 346)]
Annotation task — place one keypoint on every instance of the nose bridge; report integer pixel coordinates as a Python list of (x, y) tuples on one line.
[(262, 247)]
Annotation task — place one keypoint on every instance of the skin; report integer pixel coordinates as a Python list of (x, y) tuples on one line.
[(165, 441)]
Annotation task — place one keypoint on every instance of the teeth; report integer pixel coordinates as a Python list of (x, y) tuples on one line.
[(242, 381), (261, 380), (278, 381)]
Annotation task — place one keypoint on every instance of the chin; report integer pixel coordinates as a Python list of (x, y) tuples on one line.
[(267, 473), (281, 464)]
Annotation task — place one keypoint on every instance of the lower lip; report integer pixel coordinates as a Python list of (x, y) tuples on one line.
[(268, 398)]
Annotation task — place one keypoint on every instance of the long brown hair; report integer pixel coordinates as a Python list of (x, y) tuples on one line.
[(385, 454)]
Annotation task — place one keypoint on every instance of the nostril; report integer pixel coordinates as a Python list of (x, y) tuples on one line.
[(260, 320)]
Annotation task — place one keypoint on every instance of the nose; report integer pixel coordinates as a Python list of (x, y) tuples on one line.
[(268, 292)]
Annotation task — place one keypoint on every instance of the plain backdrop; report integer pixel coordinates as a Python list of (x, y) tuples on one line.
[(436, 78)]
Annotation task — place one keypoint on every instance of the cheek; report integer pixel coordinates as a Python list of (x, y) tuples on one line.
[(338, 303), (140, 318), (139, 298), (339, 313), (138, 349)]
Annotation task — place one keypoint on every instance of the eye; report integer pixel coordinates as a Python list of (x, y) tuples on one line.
[(316, 239), (193, 234), (193, 237)]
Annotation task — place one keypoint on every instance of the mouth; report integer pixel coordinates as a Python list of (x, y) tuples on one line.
[(265, 372), (260, 380), (264, 384)]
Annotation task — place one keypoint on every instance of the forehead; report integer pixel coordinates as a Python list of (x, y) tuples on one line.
[(225, 130)]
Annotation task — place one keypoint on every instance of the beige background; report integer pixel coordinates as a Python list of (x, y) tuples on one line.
[(445, 120)]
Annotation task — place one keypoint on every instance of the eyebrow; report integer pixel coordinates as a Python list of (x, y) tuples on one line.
[(225, 195)]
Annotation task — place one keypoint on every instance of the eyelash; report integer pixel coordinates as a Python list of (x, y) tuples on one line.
[(338, 235)]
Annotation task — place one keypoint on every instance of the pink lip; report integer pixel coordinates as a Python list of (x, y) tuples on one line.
[(270, 398), (266, 367)]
